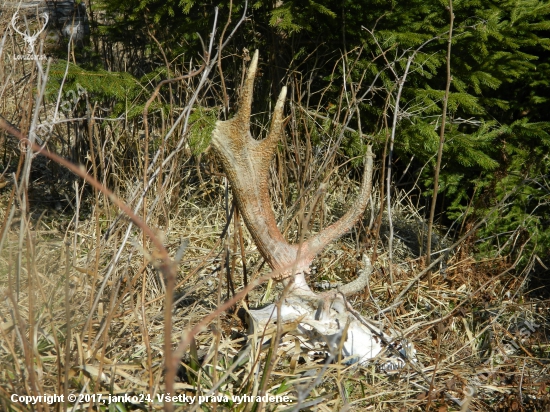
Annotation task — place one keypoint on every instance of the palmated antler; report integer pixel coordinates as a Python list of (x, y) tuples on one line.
[(246, 163), (323, 319)]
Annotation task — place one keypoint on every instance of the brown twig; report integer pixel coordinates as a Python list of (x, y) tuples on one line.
[(224, 91), (441, 142), (146, 128), (166, 265)]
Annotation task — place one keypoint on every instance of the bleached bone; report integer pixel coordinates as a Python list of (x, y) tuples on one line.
[(322, 324)]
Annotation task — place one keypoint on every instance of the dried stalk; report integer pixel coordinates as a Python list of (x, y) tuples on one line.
[(441, 142)]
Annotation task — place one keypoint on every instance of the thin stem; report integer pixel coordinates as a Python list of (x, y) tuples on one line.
[(224, 89), (390, 156), (441, 142)]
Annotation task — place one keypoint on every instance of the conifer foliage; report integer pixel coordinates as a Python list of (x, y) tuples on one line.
[(497, 130)]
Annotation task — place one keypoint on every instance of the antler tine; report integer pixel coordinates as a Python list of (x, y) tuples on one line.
[(277, 121), (268, 145), (243, 115)]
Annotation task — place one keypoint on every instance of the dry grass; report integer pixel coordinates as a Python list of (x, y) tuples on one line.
[(82, 299), (118, 349)]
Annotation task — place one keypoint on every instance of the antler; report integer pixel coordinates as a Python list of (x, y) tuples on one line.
[(246, 163)]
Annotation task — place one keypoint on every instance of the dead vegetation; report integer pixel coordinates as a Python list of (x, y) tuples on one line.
[(83, 294), (459, 322)]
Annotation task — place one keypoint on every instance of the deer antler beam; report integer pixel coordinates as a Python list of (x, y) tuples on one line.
[(246, 163)]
